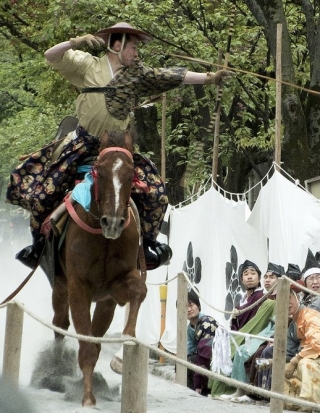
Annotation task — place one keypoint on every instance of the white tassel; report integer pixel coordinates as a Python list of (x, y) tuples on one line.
[(221, 352)]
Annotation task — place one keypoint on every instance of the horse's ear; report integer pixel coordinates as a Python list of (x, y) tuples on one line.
[(104, 139), (128, 140)]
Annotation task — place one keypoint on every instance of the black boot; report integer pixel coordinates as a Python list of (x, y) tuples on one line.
[(156, 254), (29, 255)]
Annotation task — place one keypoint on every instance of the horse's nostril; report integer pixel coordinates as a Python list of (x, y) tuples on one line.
[(104, 221)]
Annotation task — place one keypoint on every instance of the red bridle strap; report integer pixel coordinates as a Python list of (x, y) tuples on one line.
[(77, 219), (115, 149)]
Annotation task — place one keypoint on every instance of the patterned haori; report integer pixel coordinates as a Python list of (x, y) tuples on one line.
[(139, 81), (40, 184), (153, 204), (204, 332)]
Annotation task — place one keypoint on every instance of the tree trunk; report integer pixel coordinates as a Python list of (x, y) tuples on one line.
[(295, 149)]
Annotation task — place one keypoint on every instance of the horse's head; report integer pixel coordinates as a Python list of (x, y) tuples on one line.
[(114, 172)]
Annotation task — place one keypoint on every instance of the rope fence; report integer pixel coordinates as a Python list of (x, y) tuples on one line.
[(126, 340)]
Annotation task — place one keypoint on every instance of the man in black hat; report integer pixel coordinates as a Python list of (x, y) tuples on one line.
[(311, 279), (244, 360), (271, 276), (250, 278), (294, 272), (110, 87)]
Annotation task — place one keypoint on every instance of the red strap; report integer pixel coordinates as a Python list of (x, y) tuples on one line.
[(77, 220), (116, 149)]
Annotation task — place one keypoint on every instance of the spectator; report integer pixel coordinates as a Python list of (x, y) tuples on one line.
[(252, 321), (250, 278), (302, 372), (294, 272), (245, 352), (263, 378), (200, 331), (311, 278)]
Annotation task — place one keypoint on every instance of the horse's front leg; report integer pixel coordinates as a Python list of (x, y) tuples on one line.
[(133, 292), (102, 317), (136, 293), (80, 302)]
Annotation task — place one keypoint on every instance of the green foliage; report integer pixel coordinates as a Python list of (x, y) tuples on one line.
[(34, 99)]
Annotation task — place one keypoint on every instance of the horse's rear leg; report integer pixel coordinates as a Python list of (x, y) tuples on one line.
[(60, 304)]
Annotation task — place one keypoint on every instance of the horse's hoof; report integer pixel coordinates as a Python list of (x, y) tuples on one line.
[(116, 364), (89, 401)]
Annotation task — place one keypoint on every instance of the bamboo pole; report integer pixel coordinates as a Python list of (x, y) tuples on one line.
[(277, 149), (280, 344), (216, 134), (182, 305), (163, 137), (215, 155)]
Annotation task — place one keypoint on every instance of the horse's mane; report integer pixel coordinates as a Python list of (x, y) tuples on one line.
[(122, 139)]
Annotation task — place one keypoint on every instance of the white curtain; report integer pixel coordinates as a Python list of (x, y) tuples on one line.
[(214, 226), (290, 218)]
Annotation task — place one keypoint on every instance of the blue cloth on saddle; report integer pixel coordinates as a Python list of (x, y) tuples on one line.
[(84, 168), (81, 192)]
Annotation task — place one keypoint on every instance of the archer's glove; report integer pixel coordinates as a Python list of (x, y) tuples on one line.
[(94, 42), (218, 78), (291, 366)]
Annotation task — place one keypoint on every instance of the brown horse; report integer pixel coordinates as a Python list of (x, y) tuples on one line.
[(101, 268)]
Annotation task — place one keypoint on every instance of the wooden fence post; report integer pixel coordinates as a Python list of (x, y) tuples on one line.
[(163, 301), (182, 303), (12, 344), (280, 343), (134, 378)]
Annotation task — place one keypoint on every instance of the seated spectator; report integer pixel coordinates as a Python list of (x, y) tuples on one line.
[(265, 351), (250, 278), (245, 351), (252, 321), (200, 331), (311, 279), (302, 372), (293, 272)]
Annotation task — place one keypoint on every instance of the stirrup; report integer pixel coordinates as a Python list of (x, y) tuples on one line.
[(30, 255), (156, 254), (27, 256)]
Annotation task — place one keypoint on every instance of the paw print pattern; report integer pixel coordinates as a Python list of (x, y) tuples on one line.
[(233, 283), (192, 266)]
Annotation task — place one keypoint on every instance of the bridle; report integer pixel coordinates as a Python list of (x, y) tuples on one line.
[(94, 174), (94, 170)]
